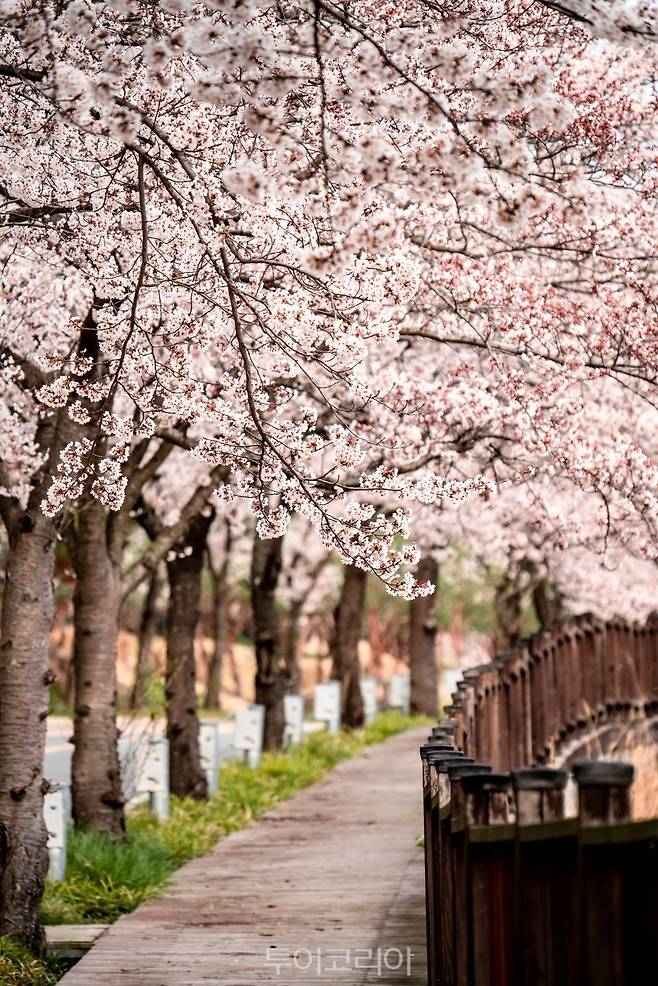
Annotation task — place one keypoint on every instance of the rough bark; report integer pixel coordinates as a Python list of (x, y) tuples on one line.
[(184, 572), (96, 795), (220, 600), (24, 679), (147, 628), (344, 645), (422, 645), (508, 605), (271, 671)]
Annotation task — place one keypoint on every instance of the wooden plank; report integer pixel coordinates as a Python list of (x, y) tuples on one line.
[(71, 941), (73, 934), (328, 886)]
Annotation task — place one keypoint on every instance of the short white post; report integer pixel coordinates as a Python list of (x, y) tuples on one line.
[(399, 693), (369, 696), (293, 710), (154, 779), (249, 730), (132, 755), (326, 705), (55, 815), (209, 753)]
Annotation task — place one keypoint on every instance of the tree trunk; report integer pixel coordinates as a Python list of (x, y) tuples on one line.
[(147, 627), (220, 601), (235, 674), (291, 647), (344, 647), (547, 602), (27, 613), (422, 644), (185, 774), (508, 605), (220, 598), (96, 794), (271, 670)]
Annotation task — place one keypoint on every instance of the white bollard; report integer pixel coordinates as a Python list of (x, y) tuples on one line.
[(369, 696), (209, 753), (326, 705), (399, 693), (248, 736), (132, 757), (55, 815), (154, 779), (293, 710)]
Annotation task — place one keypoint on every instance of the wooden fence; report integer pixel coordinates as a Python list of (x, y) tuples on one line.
[(517, 893), (517, 710)]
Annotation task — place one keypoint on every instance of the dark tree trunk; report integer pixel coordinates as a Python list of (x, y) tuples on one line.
[(344, 646), (294, 615), (422, 645), (291, 646), (27, 613), (508, 604), (220, 601), (271, 670), (96, 794), (147, 627), (547, 602), (185, 774)]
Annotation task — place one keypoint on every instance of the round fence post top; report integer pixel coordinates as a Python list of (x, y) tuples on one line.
[(603, 773), (426, 748), (539, 779), (446, 724), (485, 780), (455, 707), (458, 770), (436, 755), (439, 743), (443, 763)]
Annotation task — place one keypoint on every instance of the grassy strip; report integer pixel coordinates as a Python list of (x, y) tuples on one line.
[(106, 878)]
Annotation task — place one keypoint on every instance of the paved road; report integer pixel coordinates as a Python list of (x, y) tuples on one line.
[(328, 887)]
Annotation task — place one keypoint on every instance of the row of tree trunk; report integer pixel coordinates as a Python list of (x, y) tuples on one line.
[(96, 544)]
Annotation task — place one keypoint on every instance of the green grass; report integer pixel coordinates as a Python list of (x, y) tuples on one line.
[(18, 967), (107, 878)]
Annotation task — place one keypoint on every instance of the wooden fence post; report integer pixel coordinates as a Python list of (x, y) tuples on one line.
[(603, 791), (458, 850), (489, 810), (441, 873), (603, 798), (546, 950)]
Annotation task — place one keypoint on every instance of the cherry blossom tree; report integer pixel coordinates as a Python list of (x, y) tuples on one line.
[(349, 258)]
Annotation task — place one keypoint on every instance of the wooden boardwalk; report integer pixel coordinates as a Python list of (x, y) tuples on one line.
[(328, 888)]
